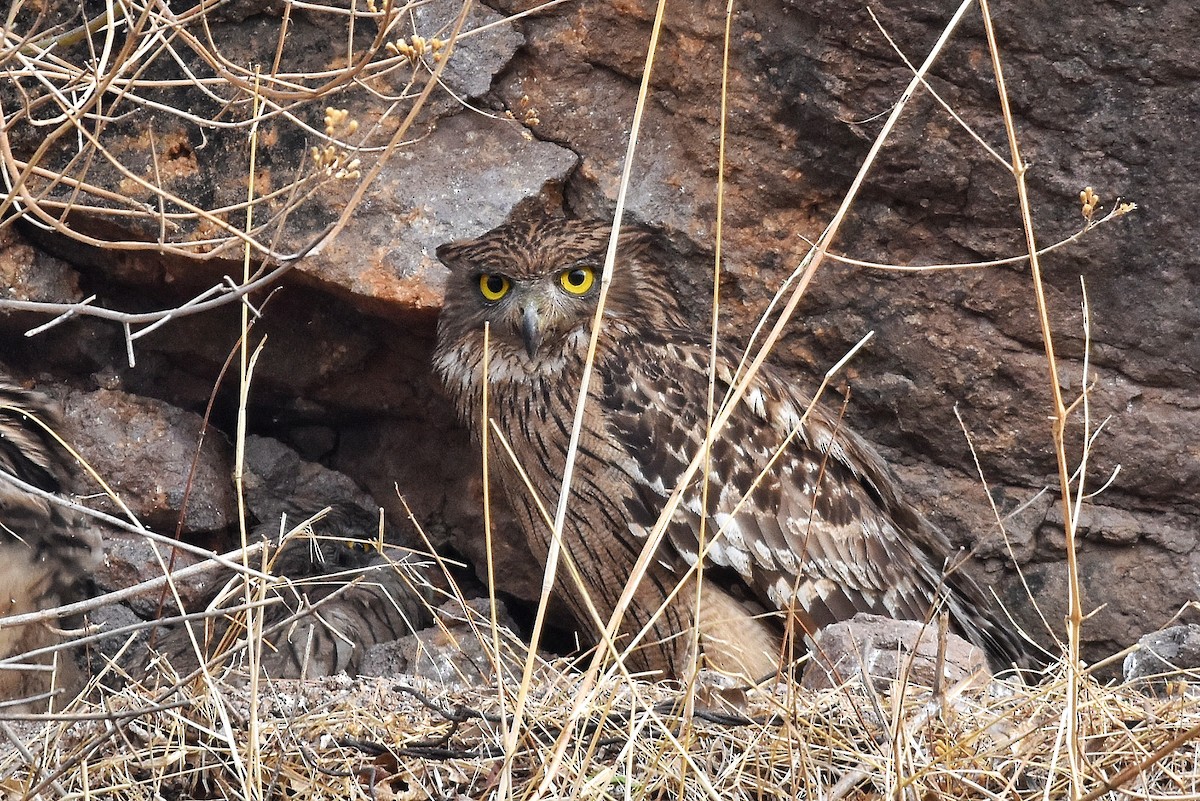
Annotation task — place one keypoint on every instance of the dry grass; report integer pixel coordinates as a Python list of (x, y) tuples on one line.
[(402, 737)]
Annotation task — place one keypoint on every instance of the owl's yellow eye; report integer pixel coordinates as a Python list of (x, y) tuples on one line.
[(578, 280), (493, 287)]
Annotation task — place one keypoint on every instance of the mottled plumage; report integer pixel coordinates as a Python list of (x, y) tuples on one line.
[(825, 533), (308, 633), (46, 550)]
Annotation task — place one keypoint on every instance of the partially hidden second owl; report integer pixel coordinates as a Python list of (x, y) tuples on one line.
[(805, 524), (47, 551), (338, 601)]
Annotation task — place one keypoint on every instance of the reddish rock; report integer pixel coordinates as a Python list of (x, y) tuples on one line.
[(144, 449)]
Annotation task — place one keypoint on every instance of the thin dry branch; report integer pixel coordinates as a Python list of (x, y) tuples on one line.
[(1060, 418)]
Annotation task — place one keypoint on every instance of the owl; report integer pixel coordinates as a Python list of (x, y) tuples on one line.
[(47, 551), (337, 602), (803, 523)]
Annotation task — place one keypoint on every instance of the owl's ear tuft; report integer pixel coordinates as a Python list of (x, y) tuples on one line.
[(636, 240), (456, 255)]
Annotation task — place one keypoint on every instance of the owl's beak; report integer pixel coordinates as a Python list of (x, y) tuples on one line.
[(531, 329)]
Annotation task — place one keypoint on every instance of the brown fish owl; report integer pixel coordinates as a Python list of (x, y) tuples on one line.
[(47, 551), (823, 535)]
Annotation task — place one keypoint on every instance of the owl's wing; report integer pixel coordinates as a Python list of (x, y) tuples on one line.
[(47, 551), (338, 602), (310, 631), (56, 539), (808, 515)]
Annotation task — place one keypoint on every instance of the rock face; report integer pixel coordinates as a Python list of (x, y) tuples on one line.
[(344, 376)]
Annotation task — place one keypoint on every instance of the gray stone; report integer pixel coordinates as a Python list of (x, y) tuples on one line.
[(885, 651), (1163, 658), (450, 652), (465, 178), (278, 482), (477, 57), (125, 649)]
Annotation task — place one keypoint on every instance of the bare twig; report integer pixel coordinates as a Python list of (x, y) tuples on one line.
[(1060, 419), (228, 561)]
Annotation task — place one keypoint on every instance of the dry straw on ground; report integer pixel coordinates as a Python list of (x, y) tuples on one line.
[(404, 738)]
